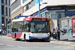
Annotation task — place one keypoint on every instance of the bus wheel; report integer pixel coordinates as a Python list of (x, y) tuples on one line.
[(24, 37), (48, 40), (16, 38)]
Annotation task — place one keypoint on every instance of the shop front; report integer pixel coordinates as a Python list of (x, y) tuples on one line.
[(52, 13)]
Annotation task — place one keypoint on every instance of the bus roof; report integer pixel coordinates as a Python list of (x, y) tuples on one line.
[(19, 19), (30, 18)]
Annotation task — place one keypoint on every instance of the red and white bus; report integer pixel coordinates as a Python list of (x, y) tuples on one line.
[(31, 28)]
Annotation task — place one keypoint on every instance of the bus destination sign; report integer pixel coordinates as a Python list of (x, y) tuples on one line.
[(39, 19)]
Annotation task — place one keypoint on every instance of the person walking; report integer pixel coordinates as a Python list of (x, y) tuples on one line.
[(54, 33), (58, 33)]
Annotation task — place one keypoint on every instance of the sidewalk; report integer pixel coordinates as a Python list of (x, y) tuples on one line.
[(5, 36), (69, 43)]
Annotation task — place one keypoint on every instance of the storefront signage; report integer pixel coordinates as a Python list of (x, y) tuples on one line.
[(50, 8)]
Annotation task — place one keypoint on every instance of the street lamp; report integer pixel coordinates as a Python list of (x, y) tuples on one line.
[(68, 24), (1, 17), (40, 5)]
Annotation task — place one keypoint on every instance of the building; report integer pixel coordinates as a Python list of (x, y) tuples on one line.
[(54, 9), (16, 8), (5, 13)]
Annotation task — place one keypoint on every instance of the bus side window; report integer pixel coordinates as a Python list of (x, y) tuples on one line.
[(26, 26)]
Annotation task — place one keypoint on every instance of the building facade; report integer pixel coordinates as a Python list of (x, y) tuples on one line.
[(5, 13), (17, 7), (54, 9)]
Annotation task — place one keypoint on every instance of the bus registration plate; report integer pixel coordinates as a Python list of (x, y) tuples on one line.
[(39, 38)]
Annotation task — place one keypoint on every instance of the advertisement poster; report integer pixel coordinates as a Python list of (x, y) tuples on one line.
[(73, 26)]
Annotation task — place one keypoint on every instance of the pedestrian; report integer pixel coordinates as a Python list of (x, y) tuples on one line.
[(58, 33), (54, 33)]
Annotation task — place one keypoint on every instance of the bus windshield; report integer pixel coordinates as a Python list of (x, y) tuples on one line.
[(39, 27)]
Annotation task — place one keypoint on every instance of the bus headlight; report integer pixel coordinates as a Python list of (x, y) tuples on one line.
[(49, 33), (29, 33)]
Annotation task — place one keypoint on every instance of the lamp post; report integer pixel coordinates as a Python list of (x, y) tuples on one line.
[(39, 7), (1, 17), (68, 25)]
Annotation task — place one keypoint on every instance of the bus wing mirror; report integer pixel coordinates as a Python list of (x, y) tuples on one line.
[(27, 28)]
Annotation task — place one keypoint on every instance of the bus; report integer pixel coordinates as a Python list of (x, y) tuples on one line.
[(31, 28)]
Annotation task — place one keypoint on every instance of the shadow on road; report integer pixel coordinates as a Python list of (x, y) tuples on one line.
[(33, 40)]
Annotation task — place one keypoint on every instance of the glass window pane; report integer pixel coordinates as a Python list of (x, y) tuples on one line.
[(53, 16), (6, 11), (24, 1)]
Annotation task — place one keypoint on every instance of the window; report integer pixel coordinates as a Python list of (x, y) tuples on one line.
[(43, 15), (71, 8), (6, 11), (9, 12), (9, 2), (20, 26), (24, 9), (24, 1), (2, 10), (27, 7), (36, 1), (19, 14), (2, 19), (6, 2), (39, 27), (2, 1), (6, 22), (53, 16), (9, 21)]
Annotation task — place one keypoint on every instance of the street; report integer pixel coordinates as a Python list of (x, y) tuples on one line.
[(11, 44)]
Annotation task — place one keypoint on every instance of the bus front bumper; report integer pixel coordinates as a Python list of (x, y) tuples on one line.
[(47, 38)]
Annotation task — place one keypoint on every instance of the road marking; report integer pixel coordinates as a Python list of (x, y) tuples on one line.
[(10, 45), (20, 47), (1, 44), (69, 48)]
